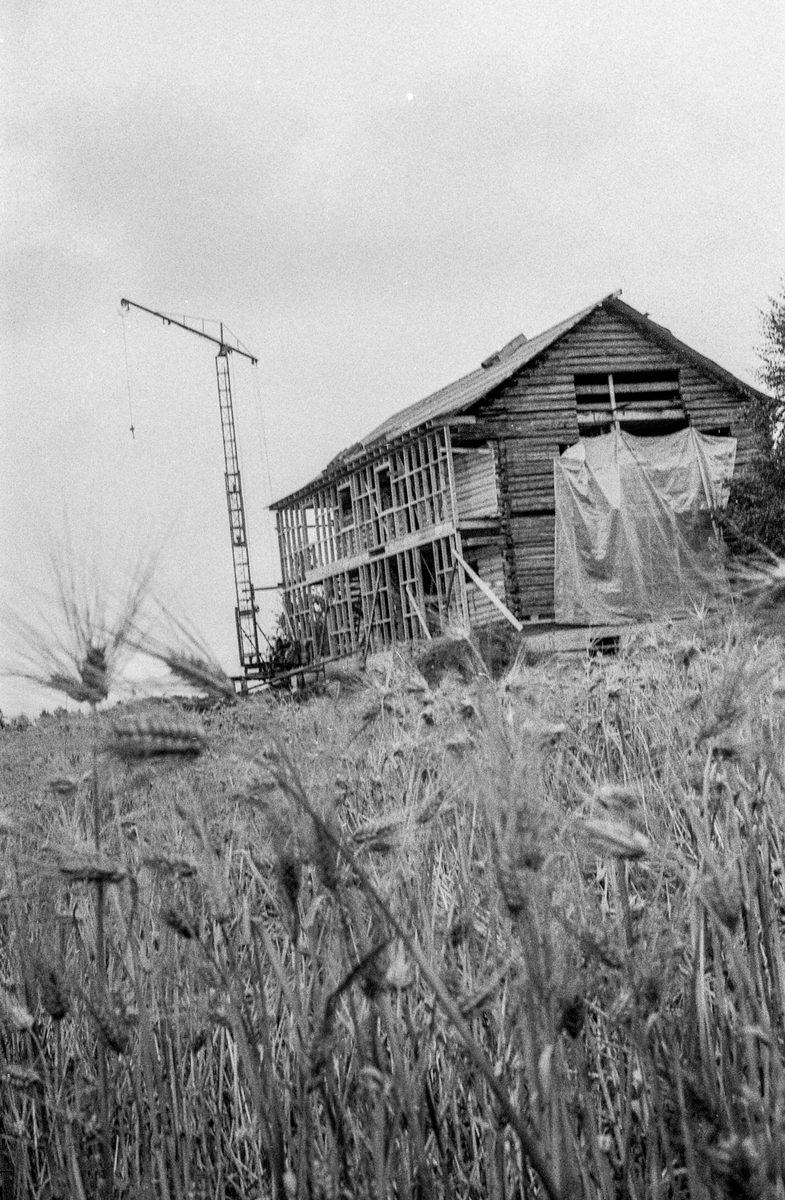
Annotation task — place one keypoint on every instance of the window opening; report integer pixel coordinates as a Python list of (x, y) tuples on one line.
[(384, 486), (345, 505), (630, 396), (430, 586), (428, 569)]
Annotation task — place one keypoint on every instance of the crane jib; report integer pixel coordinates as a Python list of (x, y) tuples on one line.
[(168, 319)]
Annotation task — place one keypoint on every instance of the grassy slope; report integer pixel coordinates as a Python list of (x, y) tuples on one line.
[(481, 940)]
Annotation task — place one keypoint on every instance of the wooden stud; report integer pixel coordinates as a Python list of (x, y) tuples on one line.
[(369, 630)]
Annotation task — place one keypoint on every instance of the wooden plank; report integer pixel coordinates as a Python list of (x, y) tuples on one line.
[(450, 585), (480, 525), (476, 540), (635, 415), (494, 599), (592, 391)]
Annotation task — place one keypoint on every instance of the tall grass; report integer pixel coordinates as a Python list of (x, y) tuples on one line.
[(515, 938)]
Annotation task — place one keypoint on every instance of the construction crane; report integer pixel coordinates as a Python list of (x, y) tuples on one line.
[(251, 662)]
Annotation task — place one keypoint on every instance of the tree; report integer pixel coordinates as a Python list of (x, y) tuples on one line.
[(773, 352), (756, 512)]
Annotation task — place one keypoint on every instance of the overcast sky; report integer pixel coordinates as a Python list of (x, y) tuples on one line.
[(373, 197)]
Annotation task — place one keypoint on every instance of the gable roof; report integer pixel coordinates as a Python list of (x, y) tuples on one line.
[(495, 370), (499, 368)]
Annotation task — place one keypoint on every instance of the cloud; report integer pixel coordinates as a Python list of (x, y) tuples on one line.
[(254, 195)]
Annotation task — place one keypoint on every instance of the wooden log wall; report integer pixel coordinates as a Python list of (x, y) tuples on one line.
[(532, 537), (534, 418), (489, 565), (475, 483), (712, 407)]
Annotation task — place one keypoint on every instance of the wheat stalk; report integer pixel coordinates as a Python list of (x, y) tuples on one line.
[(132, 738)]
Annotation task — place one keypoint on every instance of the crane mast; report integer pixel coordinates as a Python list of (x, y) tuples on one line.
[(246, 609)]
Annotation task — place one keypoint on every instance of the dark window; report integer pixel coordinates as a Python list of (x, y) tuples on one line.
[(345, 505), (428, 569), (632, 399), (385, 489), (630, 387)]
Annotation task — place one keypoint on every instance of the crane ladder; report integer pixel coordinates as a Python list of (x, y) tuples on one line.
[(245, 612)]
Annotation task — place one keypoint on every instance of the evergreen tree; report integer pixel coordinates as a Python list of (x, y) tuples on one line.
[(756, 512)]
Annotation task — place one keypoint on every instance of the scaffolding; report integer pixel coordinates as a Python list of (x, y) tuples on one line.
[(369, 559)]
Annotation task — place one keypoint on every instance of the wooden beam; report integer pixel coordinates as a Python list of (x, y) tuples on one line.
[(289, 625), (396, 546), (416, 608), (612, 394), (477, 538), (494, 599), (450, 583), (628, 414)]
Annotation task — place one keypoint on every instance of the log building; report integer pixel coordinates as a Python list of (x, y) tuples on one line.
[(446, 512)]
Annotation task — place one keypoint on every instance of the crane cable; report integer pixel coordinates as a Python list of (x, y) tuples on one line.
[(242, 403), (123, 315), (262, 436)]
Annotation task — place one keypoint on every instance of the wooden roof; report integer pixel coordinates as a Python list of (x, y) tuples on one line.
[(496, 370)]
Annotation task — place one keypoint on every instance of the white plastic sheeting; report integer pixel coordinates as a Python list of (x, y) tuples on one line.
[(635, 537)]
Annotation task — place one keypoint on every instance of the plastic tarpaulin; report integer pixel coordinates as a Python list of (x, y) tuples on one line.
[(635, 536)]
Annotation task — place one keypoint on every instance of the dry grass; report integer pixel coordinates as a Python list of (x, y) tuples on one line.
[(495, 939)]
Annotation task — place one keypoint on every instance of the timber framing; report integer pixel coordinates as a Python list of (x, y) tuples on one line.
[(444, 514)]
